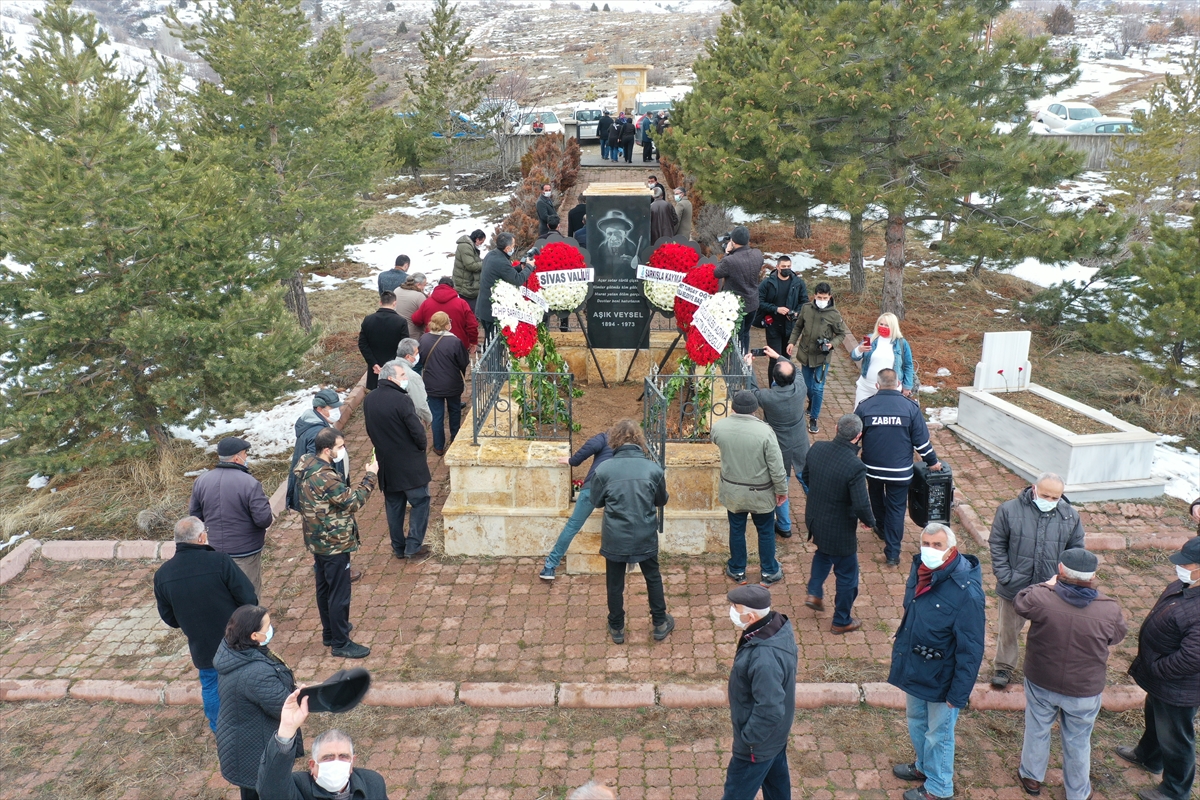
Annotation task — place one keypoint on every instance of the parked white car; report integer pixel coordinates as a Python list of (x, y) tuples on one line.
[(1102, 125), (1059, 115), (539, 120), (587, 116)]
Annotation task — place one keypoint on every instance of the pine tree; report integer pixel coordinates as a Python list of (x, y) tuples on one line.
[(403, 27), (606, 8), (445, 89), (292, 117), (890, 107), (1061, 21), (1161, 167), (140, 305)]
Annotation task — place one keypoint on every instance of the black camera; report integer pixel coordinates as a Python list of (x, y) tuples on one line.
[(725, 238), (529, 256), (825, 344)]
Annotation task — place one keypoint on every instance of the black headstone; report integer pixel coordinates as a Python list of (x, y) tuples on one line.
[(618, 231)]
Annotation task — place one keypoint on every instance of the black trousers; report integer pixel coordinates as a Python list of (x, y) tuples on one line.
[(777, 339), (333, 596), (489, 333), (1169, 744), (615, 578), (648, 150), (627, 146)]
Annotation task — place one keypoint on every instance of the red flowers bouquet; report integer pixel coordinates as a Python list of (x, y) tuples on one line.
[(560, 295), (714, 324), (675, 258), (688, 300), (516, 316), (522, 340)]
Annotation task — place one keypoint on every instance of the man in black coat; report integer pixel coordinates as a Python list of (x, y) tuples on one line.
[(740, 269), (400, 442), (198, 590), (379, 335), (545, 209), (1167, 666), (341, 778), (603, 128), (837, 498), (497, 266), (628, 134), (575, 216)]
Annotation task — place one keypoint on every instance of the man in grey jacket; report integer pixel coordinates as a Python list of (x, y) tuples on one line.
[(753, 481), (1029, 535), (741, 269), (762, 697), (783, 409), (234, 509)]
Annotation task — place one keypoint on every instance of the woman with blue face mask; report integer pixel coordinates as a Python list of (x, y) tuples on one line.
[(253, 684)]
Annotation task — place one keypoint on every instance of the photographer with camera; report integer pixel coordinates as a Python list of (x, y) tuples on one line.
[(498, 266), (780, 297), (817, 331), (740, 269)]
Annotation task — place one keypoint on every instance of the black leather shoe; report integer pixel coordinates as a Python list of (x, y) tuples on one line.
[(919, 793), (617, 634), (1031, 787), (908, 772), (420, 552), (893, 562), (786, 533), (1001, 678), (663, 631), (329, 641), (1130, 755), (351, 650)]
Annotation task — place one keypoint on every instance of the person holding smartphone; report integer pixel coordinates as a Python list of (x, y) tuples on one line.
[(886, 348)]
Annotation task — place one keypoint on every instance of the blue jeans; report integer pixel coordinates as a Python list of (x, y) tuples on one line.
[(603, 148), (765, 523), (931, 729), (783, 513), (814, 381), (1076, 717), (889, 500), (212, 700), (845, 570), (744, 778), (437, 407), (583, 509)]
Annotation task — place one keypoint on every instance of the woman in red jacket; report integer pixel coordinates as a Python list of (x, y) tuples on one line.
[(462, 318)]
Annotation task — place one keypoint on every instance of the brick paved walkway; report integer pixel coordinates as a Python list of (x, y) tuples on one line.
[(449, 619)]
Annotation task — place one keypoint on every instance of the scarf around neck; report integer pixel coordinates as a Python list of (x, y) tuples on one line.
[(925, 574)]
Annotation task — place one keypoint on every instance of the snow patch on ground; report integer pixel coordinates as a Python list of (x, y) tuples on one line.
[(1047, 275), (946, 415), (1180, 469), (321, 283), (38, 481), (269, 432), (16, 537), (418, 206), (431, 251)]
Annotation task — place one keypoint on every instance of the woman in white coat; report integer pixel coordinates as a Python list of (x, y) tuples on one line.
[(887, 349)]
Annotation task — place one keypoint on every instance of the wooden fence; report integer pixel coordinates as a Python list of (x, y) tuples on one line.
[(1100, 148)]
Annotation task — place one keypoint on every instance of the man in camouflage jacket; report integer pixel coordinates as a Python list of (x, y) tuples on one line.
[(327, 505)]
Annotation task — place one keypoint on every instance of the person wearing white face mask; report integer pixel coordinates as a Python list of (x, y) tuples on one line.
[(253, 684), (332, 770), (762, 697), (1167, 666), (1029, 535), (817, 331), (936, 655), (408, 356)]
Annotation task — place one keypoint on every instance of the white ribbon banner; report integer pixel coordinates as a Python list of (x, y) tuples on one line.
[(646, 273), (567, 277), (691, 294), (523, 314), (536, 298), (713, 332)]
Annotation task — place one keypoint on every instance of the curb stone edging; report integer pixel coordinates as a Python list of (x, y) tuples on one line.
[(431, 694)]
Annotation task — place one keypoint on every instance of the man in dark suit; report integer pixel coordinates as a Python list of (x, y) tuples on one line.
[(545, 209), (379, 335), (400, 442), (198, 590), (837, 497)]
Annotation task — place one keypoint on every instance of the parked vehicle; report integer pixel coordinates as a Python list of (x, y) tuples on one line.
[(1103, 125), (1059, 115), (494, 113), (539, 120), (652, 102), (586, 116)]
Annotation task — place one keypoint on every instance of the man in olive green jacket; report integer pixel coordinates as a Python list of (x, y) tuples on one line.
[(753, 481), (468, 264)]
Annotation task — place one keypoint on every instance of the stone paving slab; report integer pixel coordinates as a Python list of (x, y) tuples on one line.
[(73, 749)]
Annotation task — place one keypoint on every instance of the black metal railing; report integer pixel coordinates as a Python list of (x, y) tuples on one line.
[(508, 403), (682, 408)]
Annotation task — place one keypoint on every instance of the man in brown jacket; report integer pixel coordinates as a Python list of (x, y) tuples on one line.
[(1066, 655)]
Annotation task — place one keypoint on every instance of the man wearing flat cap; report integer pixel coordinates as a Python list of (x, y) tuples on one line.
[(762, 697), (234, 509), (1167, 666), (615, 249), (1072, 626), (753, 482), (331, 769)]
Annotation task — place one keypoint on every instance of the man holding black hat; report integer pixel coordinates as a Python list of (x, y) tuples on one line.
[(762, 697), (331, 771), (1072, 627), (753, 481), (741, 268), (234, 509), (1167, 666)]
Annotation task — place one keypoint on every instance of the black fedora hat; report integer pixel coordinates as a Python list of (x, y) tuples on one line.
[(343, 691)]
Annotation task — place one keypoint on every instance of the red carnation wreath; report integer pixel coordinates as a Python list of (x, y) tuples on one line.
[(675, 258), (699, 350), (521, 341), (702, 278), (555, 257)]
